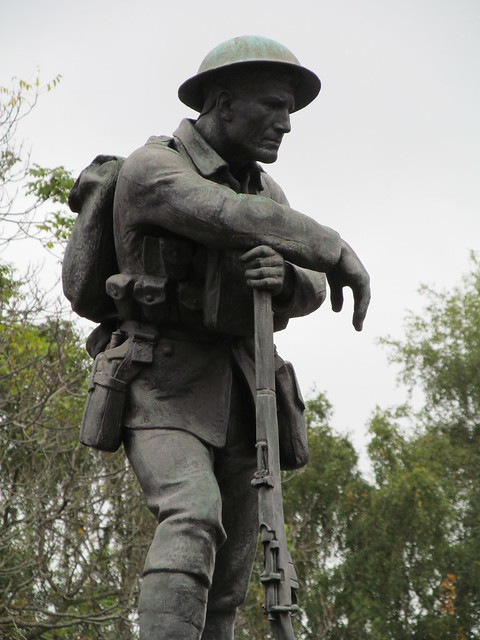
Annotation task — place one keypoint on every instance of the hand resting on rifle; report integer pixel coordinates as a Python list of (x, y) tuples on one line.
[(266, 269)]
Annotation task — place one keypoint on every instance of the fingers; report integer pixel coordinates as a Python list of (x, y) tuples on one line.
[(263, 273), (336, 298), (336, 292), (362, 296), (269, 278), (261, 256), (350, 272), (264, 269)]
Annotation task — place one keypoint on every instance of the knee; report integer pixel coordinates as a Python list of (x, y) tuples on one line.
[(189, 530), (192, 503)]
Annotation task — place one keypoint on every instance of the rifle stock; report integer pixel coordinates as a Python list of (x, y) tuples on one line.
[(278, 577)]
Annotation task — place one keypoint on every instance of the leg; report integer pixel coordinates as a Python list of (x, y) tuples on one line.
[(171, 605), (235, 558), (175, 471), (234, 469)]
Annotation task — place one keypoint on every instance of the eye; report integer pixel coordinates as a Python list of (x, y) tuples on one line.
[(272, 104), (276, 104)]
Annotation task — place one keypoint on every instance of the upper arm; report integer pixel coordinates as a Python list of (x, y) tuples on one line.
[(273, 190), (158, 187)]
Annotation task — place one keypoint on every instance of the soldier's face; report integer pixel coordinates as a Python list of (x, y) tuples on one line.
[(259, 117)]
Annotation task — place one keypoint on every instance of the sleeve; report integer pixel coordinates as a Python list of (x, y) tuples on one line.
[(272, 189), (309, 293), (309, 287), (156, 186)]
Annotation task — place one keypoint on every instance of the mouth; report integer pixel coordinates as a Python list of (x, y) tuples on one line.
[(270, 142)]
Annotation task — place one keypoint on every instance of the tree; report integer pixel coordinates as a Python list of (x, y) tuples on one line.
[(396, 557), (73, 527), (17, 172), (413, 553), (320, 501)]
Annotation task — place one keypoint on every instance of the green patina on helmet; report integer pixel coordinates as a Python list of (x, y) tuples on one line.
[(250, 50)]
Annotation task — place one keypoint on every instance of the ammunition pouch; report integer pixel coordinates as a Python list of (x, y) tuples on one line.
[(150, 293), (113, 370), (120, 287), (167, 289)]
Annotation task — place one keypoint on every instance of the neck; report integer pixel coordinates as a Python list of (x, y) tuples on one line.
[(214, 133)]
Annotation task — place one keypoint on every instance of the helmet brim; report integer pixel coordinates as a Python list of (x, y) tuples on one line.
[(306, 89)]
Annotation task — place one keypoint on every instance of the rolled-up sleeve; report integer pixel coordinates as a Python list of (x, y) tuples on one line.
[(309, 292)]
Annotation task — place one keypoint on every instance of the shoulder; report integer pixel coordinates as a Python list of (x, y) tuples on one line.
[(271, 189), (153, 157)]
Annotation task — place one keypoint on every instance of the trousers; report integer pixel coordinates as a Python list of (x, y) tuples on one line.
[(207, 517)]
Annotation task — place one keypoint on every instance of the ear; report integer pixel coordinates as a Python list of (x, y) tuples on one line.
[(224, 105)]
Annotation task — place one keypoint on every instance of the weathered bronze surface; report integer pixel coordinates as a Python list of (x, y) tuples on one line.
[(197, 226)]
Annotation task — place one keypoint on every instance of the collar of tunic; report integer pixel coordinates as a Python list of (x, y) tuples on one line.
[(211, 166)]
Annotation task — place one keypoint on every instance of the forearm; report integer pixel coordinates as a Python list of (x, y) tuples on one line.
[(297, 237), (178, 200)]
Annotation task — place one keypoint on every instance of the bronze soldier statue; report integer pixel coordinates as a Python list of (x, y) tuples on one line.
[(197, 225)]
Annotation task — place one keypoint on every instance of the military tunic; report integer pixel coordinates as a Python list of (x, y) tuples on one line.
[(190, 420)]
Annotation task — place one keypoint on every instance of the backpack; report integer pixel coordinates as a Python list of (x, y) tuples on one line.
[(90, 254)]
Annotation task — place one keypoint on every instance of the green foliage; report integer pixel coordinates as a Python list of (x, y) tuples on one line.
[(320, 501), (396, 557), (41, 185), (418, 541), (441, 353), (52, 185), (16, 102), (398, 545), (73, 527), (319, 504)]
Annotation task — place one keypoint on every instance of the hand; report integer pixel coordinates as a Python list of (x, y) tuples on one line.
[(265, 269), (350, 272)]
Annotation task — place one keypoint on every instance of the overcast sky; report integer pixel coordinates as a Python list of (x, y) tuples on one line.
[(389, 153)]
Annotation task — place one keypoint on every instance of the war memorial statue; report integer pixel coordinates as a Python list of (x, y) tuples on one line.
[(168, 250)]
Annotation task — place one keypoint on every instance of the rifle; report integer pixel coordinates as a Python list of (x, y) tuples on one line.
[(279, 578)]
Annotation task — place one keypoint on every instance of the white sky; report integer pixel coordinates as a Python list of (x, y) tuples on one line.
[(389, 154)]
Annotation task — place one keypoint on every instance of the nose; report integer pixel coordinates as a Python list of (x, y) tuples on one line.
[(282, 122)]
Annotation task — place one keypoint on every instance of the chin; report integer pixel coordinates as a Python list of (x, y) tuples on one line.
[(267, 156)]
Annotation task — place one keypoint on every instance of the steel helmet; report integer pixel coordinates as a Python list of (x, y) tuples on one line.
[(250, 50)]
